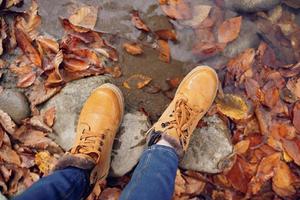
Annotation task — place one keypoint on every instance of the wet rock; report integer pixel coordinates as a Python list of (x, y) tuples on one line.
[(251, 5), (248, 38), (68, 104), (15, 104), (130, 143), (209, 147)]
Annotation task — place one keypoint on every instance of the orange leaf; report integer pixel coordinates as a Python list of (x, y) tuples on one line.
[(110, 194), (27, 80), (114, 71), (292, 148), (48, 44), (229, 30), (133, 48), (166, 34), (136, 81), (49, 116), (75, 64), (138, 23), (208, 49), (164, 51)]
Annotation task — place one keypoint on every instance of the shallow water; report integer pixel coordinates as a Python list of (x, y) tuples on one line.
[(114, 19)]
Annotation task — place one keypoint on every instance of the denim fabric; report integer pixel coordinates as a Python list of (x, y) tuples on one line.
[(67, 184), (154, 177)]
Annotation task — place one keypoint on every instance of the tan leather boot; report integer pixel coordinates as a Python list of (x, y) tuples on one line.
[(192, 100), (98, 124)]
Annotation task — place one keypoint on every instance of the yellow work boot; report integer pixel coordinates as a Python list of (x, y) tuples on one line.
[(98, 124), (193, 98)]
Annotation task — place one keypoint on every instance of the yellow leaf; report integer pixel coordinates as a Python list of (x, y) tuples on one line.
[(242, 146), (233, 106), (44, 161)]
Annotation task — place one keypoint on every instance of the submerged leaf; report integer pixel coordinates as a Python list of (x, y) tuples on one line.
[(166, 34), (136, 81), (229, 30), (138, 23), (85, 16), (26, 80), (133, 48), (200, 13), (164, 51), (176, 9), (233, 106)]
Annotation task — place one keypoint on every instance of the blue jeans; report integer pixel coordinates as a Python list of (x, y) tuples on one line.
[(153, 178)]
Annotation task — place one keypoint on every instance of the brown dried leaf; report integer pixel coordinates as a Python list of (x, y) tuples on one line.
[(229, 30), (176, 9), (7, 123), (166, 34), (48, 44), (38, 140), (55, 78), (265, 171), (292, 148), (164, 51), (26, 80), (253, 90), (9, 155), (233, 106), (49, 116), (296, 116), (138, 23), (33, 21), (27, 47), (133, 48), (38, 123), (240, 64), (85, 16), (240, 175), (137, 81), (75, 64)]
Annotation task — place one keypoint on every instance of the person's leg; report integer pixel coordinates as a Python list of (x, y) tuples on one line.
[(97, 126), (68, 184), (154, 176)]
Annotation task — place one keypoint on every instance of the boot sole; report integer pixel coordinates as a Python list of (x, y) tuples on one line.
[(119, 94)]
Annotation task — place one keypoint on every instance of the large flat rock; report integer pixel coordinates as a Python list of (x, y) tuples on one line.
[(68, 104), (129, 144), (209, 147)]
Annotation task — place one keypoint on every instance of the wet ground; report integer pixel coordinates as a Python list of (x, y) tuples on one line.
[(114, 19)]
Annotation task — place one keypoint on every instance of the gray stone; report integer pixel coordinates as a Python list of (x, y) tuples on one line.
[(209, 148), (15, 104), (251, 5), (68, 104), (130, 143), (248, 38)]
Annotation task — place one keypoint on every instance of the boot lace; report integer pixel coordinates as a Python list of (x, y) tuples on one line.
[(184, 117), (91, 143)]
